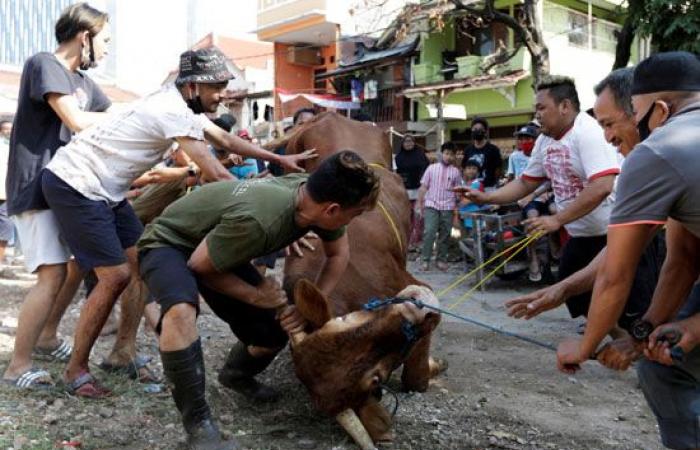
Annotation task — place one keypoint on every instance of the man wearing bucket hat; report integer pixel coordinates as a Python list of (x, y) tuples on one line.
[(86, 182), (658, 186)]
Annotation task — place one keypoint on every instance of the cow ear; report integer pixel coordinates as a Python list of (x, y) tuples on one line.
[(311, 303)]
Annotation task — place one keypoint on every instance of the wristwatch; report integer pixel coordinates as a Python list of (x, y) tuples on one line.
[(641, 329)]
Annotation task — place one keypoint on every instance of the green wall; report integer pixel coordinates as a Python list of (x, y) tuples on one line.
[(434, 44), (488, 101)]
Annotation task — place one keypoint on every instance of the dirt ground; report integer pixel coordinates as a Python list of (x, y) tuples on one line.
[(498, 393)]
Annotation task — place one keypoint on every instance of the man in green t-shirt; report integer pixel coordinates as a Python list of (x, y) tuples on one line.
[(204, 243)]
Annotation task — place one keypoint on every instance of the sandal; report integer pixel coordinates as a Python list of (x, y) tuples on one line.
[(60, 353), (87, 386), (32, 379), (137, 369)]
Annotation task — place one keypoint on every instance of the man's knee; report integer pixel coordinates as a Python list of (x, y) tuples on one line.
[(51, 276), (115, 278), (182, 316)]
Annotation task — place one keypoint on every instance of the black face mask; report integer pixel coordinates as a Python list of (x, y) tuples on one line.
[(195, 104), (478, 135), (643, 125), (87, 57)]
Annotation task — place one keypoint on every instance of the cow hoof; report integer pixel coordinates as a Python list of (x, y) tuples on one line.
[(437, 366), (250, 388), (205, 436)]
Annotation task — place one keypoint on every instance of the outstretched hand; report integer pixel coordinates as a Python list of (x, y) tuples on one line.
[(473, 195), (296, 248), (530, 305), (291, 162)]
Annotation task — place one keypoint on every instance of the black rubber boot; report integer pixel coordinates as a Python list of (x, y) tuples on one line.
[(239, 371), (184, 370)]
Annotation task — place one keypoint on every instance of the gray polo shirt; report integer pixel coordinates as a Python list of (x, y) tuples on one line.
[(660, 178)]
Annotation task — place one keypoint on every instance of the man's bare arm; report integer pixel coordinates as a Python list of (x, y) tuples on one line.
[(67, 109), (614, 281), (587, 200), (530, 305), (509, 193), (267, 295), (337, 258), (210, 167), (226, 141)]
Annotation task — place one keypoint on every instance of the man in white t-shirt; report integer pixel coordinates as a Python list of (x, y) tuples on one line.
[(572, 153), (86, 182)]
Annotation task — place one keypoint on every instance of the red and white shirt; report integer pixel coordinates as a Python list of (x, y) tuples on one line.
[(439, 178), (571, 163)]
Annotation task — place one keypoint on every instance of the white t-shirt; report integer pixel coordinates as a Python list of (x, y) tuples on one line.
[(571, 163), (102, 161)]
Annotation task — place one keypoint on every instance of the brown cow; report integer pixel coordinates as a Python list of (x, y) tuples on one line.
[(344, 360)]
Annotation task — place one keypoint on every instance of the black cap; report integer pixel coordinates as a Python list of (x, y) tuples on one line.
[(206, 65), (527, 130), (669, 71)]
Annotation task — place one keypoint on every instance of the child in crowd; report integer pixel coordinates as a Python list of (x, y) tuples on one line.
[(437, 203), (470, 177)]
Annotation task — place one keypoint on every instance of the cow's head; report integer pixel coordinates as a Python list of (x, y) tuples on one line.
[(343, 360)]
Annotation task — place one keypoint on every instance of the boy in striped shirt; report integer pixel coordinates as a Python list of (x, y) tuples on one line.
[(437, 203)]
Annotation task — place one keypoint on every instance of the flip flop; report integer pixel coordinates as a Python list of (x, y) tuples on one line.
[(133, 369), (87, 386), (60, 353), (32, 379)]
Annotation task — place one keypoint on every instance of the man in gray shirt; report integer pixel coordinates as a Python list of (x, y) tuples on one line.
[(658, 186)]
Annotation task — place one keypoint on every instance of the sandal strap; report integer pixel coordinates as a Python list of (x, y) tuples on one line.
[(31, 377), (63, 351), (82, 379)]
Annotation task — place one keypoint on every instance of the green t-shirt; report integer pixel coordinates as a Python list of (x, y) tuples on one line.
[(241, 220)]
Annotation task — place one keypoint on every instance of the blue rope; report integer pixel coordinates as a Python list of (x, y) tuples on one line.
[(376, 303)]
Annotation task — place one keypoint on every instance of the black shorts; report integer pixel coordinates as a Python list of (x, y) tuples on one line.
[(170, 282), (96, 232), (643, 285)]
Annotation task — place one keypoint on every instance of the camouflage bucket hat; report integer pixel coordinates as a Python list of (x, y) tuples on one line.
[(206, 65)]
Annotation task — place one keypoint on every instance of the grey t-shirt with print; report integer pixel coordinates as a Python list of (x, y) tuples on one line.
[(660, 176), (38, 131)]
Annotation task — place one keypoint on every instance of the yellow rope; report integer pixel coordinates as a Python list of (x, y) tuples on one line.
[(477, 268), (392, 223), (488, 276), (387, 216), (517, 247)]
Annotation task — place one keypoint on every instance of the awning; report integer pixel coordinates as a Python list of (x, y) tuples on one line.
[(325, 101), (467, 84)]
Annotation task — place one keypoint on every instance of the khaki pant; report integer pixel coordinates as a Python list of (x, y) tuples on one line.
[(440, 223)]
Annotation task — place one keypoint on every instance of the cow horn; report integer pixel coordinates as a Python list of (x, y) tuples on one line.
[(351, 423)]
